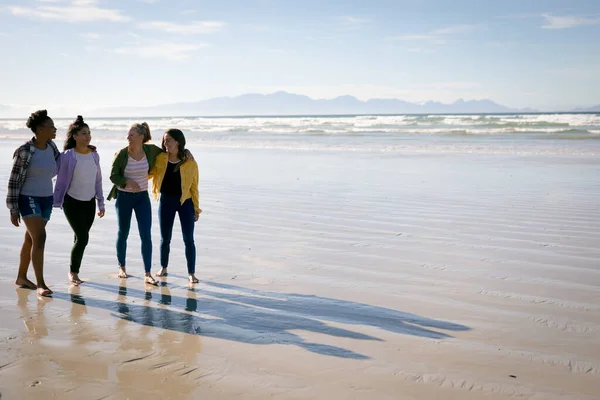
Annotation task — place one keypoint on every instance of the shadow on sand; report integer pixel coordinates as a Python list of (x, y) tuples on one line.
[(258, 317)]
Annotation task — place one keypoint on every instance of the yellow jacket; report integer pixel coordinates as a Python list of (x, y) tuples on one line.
[(189, 179)]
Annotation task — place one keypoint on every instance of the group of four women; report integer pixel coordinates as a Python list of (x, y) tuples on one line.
[(78, 188)]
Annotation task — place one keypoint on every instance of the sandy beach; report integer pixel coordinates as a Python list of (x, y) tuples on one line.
[(328, 275)]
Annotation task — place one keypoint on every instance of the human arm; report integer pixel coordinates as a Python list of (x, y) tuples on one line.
[(117, 172), (194, 192), (62, 180), (14, 187), (99, 191)]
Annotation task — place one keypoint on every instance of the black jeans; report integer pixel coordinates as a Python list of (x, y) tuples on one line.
[(80, 215), (167, 208)]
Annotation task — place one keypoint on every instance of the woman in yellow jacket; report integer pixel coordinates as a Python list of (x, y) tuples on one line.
[(175, 183)]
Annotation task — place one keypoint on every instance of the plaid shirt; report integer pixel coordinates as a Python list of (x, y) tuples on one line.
[(21, 160)]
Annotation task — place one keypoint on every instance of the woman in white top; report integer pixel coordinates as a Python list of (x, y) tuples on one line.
[(78, 187)]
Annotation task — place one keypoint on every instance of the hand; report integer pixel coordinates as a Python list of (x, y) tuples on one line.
[(15, 219), (101, 213), (196, 215), (133, 185)]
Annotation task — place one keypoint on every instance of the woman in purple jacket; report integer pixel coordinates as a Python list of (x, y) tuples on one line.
[(78, 187)]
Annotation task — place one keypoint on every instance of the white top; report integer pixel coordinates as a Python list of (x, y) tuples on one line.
[(83, 183), (137, 171)]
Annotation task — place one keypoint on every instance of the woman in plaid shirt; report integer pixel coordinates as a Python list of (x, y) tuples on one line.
[(30, 196)]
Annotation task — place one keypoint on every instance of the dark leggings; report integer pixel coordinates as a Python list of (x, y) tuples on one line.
[(80, 215), (167, 208)]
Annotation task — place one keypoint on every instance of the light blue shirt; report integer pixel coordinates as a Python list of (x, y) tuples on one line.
[(41, 170)]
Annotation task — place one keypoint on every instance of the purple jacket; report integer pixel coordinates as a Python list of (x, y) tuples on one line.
[(66, 167)]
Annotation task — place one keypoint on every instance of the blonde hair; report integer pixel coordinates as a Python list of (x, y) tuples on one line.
[(144, 130)]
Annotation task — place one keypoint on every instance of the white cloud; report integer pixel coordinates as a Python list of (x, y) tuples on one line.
[(193, 28), (171, 51), (438, 35), (91, 36), (419, 50), (74, 2), (352, 23), (564, 22), (84, 2), (260, 28), (76, 11), (519, 16), (457, 85), (353, 20)]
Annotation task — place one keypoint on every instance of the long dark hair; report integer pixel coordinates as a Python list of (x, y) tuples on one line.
[(36, 119), (180, 139), (74, 128)]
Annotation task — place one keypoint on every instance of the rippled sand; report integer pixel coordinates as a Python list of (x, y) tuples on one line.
[(333, 276)]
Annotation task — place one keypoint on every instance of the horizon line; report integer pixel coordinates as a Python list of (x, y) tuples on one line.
[(323, 115)]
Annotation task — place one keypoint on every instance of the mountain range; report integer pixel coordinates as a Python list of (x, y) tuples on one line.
[(595, 108), (282, 103)]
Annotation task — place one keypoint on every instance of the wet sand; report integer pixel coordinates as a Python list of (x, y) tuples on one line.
[(329, 276)]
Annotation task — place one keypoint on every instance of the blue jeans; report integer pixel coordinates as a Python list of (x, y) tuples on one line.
[(167, 208), (126, 204)]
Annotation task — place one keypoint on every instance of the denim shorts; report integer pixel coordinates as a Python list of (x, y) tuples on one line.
[(33, 206)]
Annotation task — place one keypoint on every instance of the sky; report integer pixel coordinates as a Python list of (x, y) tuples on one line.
[(97, 53)]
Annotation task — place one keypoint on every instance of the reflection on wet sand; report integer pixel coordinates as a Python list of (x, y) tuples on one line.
[(35, 321), (125, 359), (152, 342)]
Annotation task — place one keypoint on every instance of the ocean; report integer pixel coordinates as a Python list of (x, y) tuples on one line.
[(527, 134)]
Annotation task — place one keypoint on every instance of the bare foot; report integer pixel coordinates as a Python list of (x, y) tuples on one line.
[(122, 273), (44, 291), (192, 278), (162, 272), (150, 280), (25, 283), (74, 278)]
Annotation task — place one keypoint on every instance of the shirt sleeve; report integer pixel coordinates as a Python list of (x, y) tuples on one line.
[(194, 190), (117, 171), (14, 183)]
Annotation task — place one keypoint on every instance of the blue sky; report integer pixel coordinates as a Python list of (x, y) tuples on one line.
[(86, 53)]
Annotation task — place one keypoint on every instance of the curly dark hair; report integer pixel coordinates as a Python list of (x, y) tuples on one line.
[(179, 137), (36, 119), (74, 128)]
